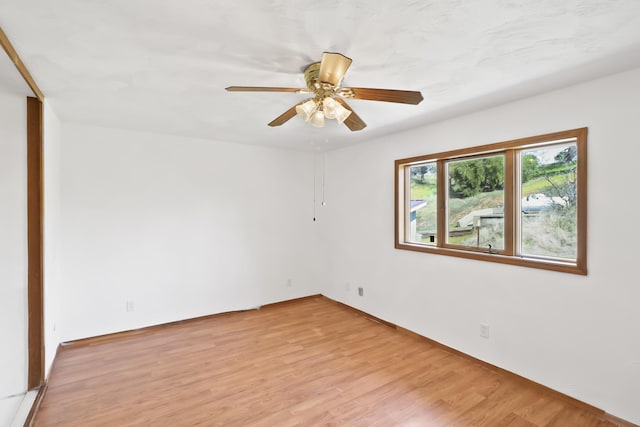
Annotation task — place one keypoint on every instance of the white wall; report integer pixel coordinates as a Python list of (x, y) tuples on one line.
[(13, 250), (579, 335), (186, 227), (182, 227), (52, 232)]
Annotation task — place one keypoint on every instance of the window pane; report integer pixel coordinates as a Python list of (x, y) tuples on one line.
[(422, 204), (548, 205), (475, 202)]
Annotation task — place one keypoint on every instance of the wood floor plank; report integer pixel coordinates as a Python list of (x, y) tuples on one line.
[(311, 362)]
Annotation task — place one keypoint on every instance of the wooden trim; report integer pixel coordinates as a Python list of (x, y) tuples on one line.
[(36, 406), (445, 178), (509, 203), (362, 313), (398, 216), (22, 69), (441, 208), (82, 342), (35, 243), (543, 264), (618, 421), (288, 301), (571, 400), (582, 199), (481, 150), (41, 393), (509, 254), (35, 376)]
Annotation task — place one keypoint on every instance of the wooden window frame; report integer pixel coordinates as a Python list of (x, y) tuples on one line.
[(509, 255)]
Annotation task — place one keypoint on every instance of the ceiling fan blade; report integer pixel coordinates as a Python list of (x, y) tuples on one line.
[(387, 95), (284, 117), (353, 122), (333, 68), (265, 89)]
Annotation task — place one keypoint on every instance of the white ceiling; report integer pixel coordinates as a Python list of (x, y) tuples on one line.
[(162, 65)]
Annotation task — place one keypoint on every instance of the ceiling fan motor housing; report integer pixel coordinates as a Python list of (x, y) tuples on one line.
[(321, 89), (311, 74)]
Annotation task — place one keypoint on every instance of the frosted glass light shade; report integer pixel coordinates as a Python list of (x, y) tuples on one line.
[(341, 113), (329, 107), (317, 119), (306, 109)]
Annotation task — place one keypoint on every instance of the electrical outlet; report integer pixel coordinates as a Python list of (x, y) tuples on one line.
[(360, 291), (484, 330), (347, 287), (130, 306), (289, 283)]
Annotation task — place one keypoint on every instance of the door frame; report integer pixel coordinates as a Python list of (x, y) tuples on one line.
[(35, 281)]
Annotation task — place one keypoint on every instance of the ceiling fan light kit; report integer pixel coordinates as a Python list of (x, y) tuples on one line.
[(317, 109), (323, 80), (306, 109)]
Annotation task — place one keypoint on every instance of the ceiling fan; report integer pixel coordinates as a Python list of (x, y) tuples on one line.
[(323, 81)]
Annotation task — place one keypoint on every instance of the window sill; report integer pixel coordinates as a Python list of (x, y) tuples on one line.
[(544, 264)]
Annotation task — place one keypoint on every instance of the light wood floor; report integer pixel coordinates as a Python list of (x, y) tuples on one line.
[(307, 363)]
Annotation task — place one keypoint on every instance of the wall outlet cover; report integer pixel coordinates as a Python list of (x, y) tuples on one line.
[(484, 330)]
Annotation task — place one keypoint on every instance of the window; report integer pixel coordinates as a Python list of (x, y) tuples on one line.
[(519, 202)]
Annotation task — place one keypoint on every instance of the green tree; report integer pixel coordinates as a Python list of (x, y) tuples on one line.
[(530, 167), (470, 177), (568, 156), (420, 171)]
